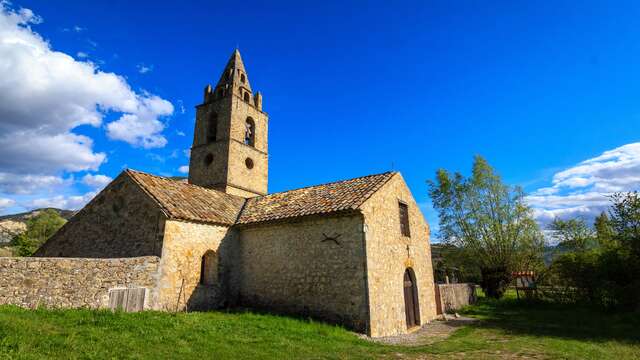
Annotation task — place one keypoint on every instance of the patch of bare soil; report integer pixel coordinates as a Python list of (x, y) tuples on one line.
[(428, 334)]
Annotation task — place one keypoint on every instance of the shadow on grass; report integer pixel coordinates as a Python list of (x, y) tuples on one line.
[(538, 318), (332, 320)]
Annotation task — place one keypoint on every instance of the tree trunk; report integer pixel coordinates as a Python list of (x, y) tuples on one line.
[(495, 281)]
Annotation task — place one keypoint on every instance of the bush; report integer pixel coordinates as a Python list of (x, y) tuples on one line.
[(604, 277)]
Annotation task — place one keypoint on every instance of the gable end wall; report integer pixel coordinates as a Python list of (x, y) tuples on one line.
[(387, 258), (121, 221)]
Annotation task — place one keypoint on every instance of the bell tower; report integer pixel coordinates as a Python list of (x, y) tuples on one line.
[(229, 151)]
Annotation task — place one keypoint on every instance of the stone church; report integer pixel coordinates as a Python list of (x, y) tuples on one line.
[(353, 252)]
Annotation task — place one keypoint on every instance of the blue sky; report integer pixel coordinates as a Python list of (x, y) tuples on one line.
[(546, 92)]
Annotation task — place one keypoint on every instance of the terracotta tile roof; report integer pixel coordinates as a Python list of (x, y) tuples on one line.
[(181, 200), (320, 199)]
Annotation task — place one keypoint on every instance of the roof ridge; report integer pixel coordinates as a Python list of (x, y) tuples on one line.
[(325, 184)]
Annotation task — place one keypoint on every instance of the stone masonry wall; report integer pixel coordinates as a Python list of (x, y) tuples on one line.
[(456, 296), (121, 221), (292, 268), (184, 245), (389, 254), (73, 282)]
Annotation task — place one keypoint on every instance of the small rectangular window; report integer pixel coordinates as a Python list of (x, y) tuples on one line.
[(404, 219)]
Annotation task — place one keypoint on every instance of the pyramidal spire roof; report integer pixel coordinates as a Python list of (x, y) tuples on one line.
[(234, 74)]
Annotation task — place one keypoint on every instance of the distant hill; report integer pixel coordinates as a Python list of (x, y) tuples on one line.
[(13, 224), (67, 214)]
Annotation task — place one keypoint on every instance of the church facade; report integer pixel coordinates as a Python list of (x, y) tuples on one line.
[(353, 252)]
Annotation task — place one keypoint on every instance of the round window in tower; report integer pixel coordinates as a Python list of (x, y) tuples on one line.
[(208, 159), (249, 163)]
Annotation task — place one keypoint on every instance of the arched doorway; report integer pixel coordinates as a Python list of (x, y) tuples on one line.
[(411, 304)]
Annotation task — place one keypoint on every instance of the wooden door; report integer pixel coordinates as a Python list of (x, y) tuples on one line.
[(411, 299), (129, 300)]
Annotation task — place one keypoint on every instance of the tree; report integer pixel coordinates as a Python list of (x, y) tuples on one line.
[(604, 230), (490, 221), (625, 220), (39, 228), (449, 260), (608, 275), (573, 234)]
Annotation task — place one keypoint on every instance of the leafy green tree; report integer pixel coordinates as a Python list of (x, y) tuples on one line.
[(625, 220), (604, 230), (451, 261), (490, 221), (39, 228), (608, 275), (573, 234)]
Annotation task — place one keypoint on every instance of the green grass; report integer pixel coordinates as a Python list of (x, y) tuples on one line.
[(507, 329)]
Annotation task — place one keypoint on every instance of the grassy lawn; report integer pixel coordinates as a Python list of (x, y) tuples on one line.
[(508, 329)]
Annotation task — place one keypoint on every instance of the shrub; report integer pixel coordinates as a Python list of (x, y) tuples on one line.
[(605, 277)]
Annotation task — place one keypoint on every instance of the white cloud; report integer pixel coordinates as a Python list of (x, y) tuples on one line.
[(75, 28), (187, 152), (180, 133), (29, 151), (96, 181), (5, 203), (62, 202), (26, 184), (143, 69), (82, 54), (583, 190), (142, 128), (45, 94), (184, 169)]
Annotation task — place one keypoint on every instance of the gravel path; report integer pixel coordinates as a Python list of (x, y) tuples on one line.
[(434, 331)]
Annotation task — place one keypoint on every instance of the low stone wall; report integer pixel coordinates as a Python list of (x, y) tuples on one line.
[(456, 296), (74, 282)]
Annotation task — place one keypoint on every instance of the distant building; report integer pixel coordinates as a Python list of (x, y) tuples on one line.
[(354, 252)]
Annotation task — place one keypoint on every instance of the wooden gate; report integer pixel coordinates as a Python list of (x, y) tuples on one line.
[(411, 304), (436, 287)]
